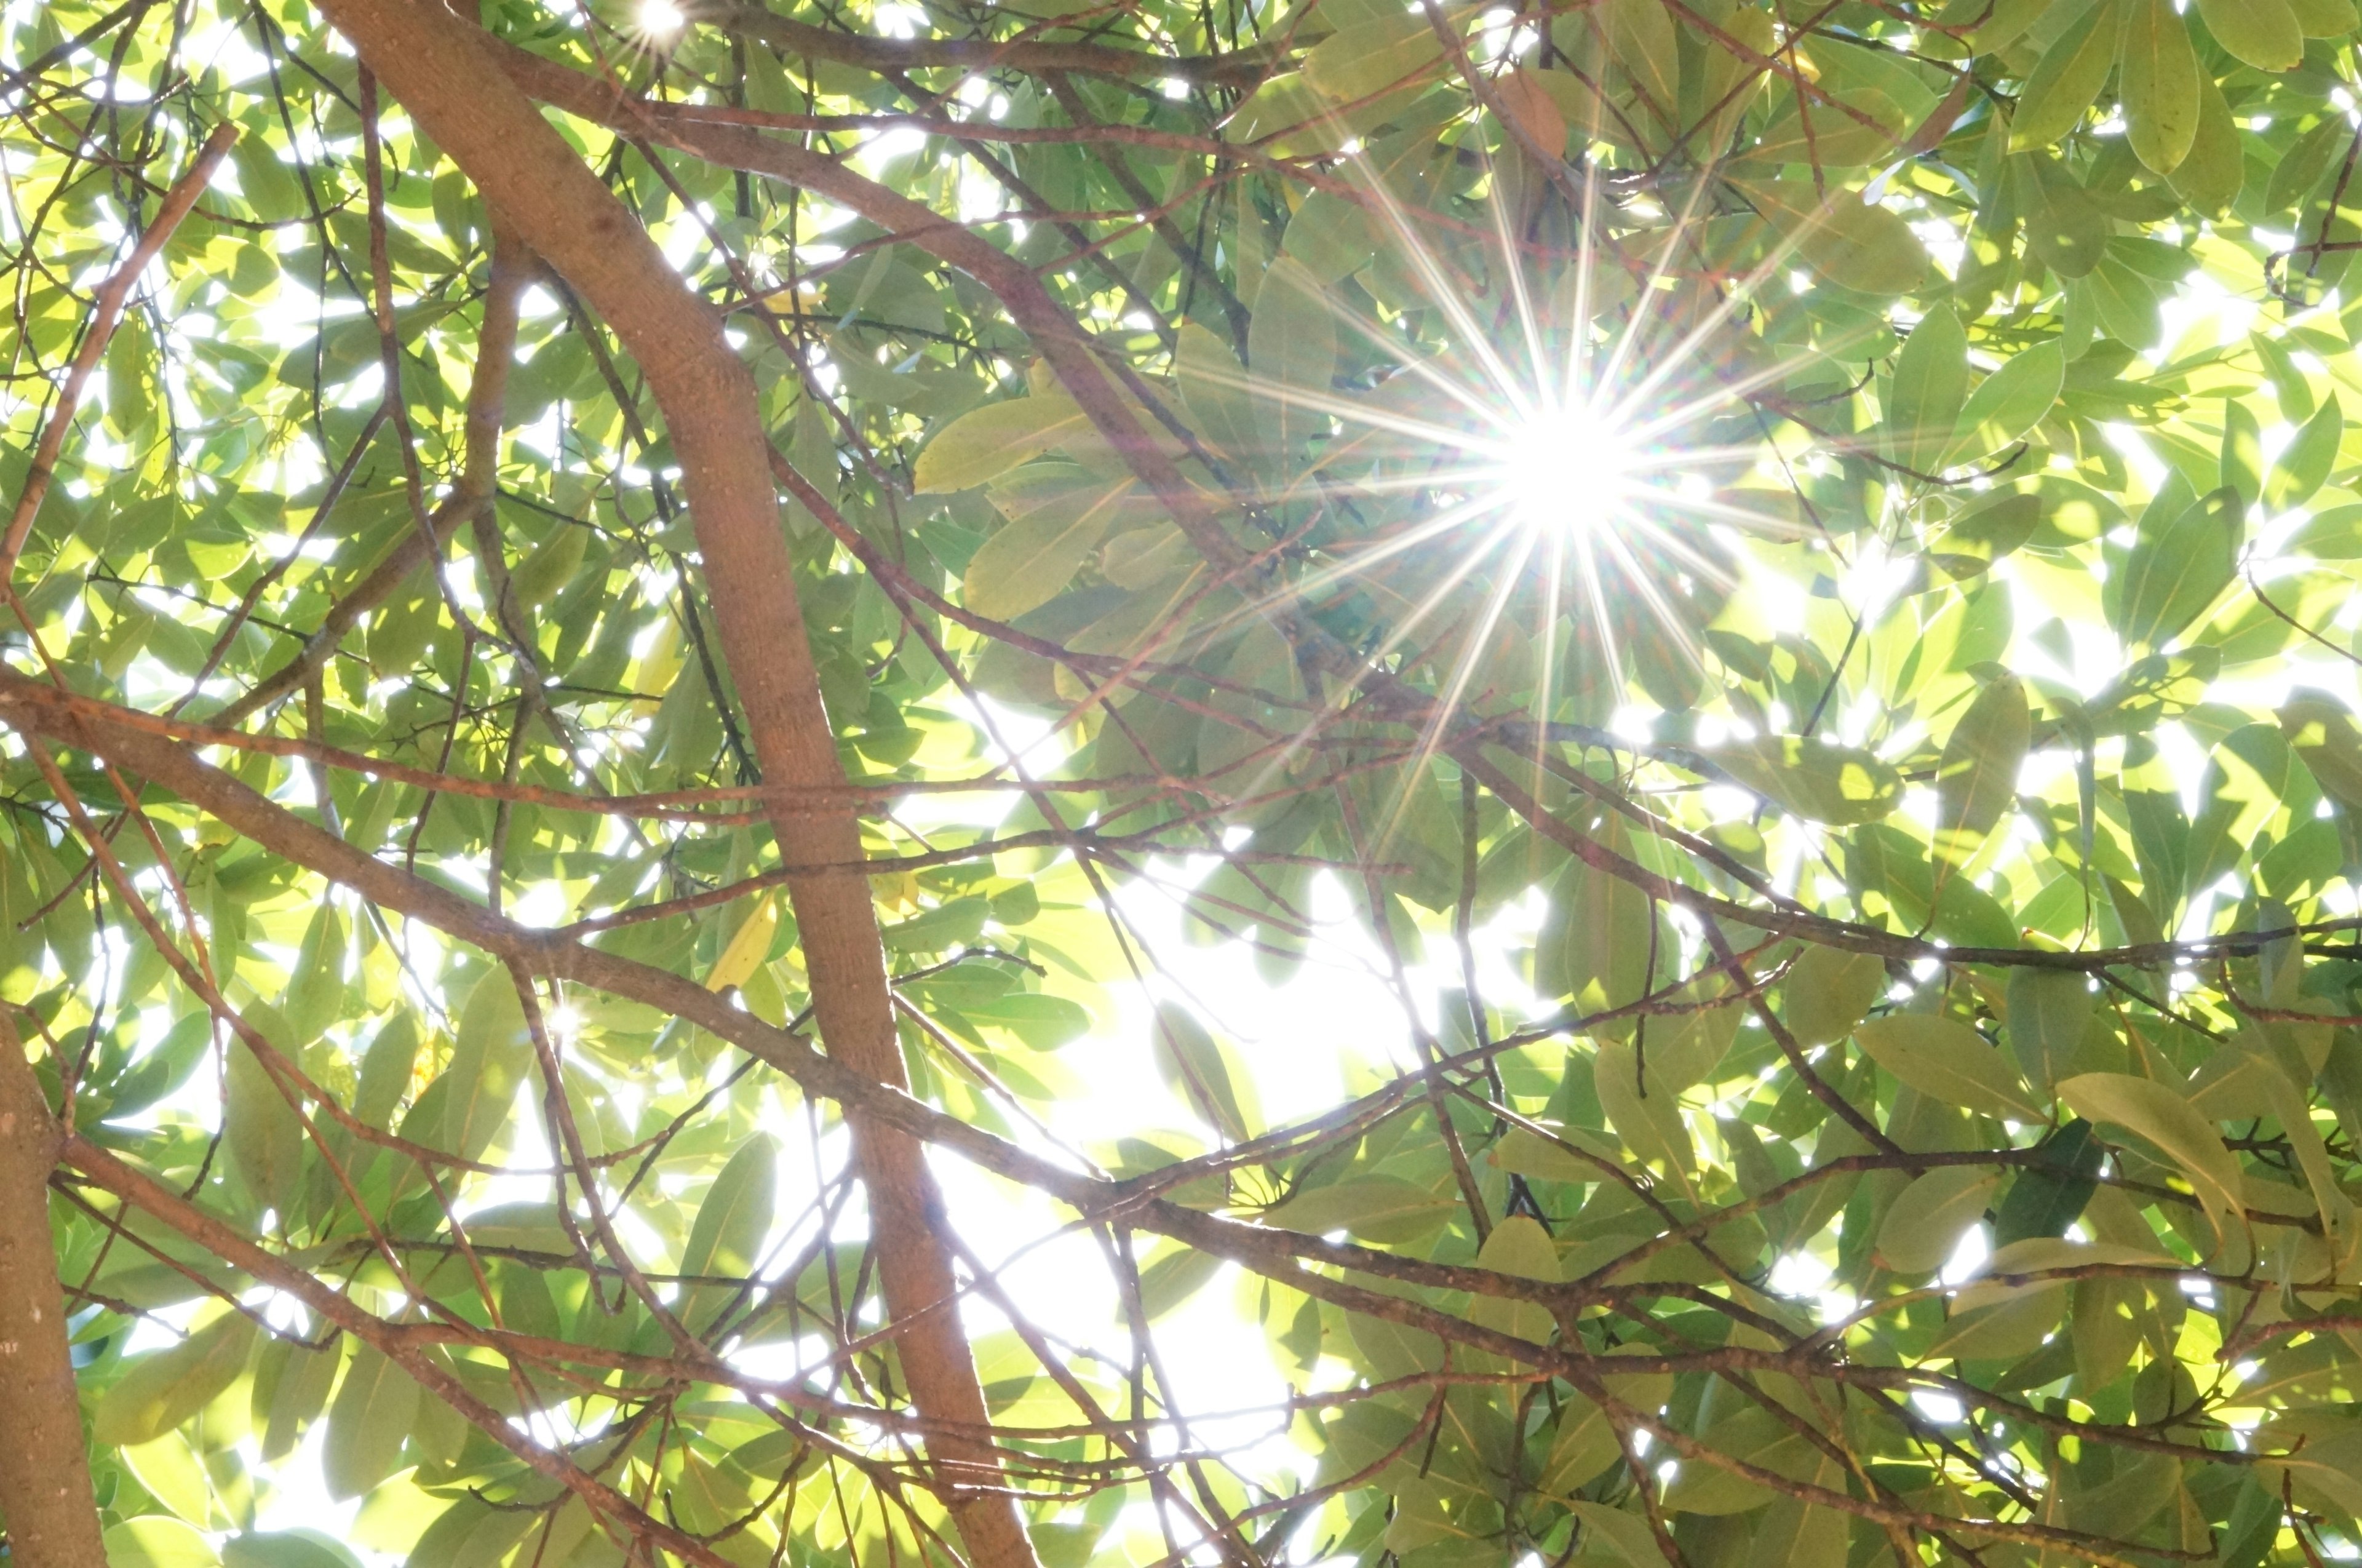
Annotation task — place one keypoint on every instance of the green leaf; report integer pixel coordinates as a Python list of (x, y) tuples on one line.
[(1292, 347), (263, 1133), (1924, 1226), (377, 1404), (1951, 1062), (301, 1394), (2064, 228), (1813, 779), (154, 1540), (158, 1392), (1976, 782), (2303, 468), (2162, 1119), (1925, 394), (2159, 85), (490, 1057), (1370, 54), (173, 1474), (551, 564), (987, 442), (2184, 554), (1641, 36), (2067, 80), (2243, 451), (1994, 527), (1622, 1535), (2210, 178), (1198, 1069), (1519, 1246), (1054, 524), (1828, 991), (2264, 34), (287, 1549), (2046, 1198), (1585, 1447), (1869, 249), (727, 1235), (1172, 1278), (2333, 534), (2323, 732), (1214, 390), (1999, 1330), (1378, 1208), (2008, 404), (1593, 947), (1645, 1113), (2048, 1010)]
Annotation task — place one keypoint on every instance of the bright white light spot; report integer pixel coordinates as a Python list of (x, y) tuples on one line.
[(1968, 1256), (1941, 1408), (1568, 469), (660, 19), (1798, 1275)]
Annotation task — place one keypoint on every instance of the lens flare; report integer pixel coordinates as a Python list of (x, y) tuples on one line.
[(1567, 472)]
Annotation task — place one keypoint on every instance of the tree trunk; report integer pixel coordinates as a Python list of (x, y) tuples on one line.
[(438, 68), (44, 1470)]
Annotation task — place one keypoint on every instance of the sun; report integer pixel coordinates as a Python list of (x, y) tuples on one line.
[(1566, 470), (659, 18)]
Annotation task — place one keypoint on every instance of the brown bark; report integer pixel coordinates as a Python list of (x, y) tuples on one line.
[(1064, 346), (1239, 68), (44, 1477), (130, 741), (440, 70)]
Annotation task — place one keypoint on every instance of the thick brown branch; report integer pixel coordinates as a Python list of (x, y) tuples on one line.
[(440, 69), (44, 1478), (883, 55)]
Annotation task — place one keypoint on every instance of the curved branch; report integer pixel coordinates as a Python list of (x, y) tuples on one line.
[(438, 67)]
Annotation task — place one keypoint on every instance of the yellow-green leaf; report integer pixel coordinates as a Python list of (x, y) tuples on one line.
[(2160, 83), (2210, 178), (1828, 991), (1976, 782), (157, 1541), (1924, 1226), (1923, 394), (158, 1392), (2160, 1117), (985, 442), (2184, 554), (2264, 33), (1032, 557), (1812, 778), (1641, 36), (376, 1407), (1292, 343), (726, 1237), (2066, 80), (2009, 402), (1946, 1059)]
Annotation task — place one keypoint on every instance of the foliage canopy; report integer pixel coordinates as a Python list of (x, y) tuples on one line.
[(643, 640)]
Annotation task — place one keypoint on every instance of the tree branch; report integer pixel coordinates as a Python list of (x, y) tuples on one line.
[(44, 1475), (440, 68)]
